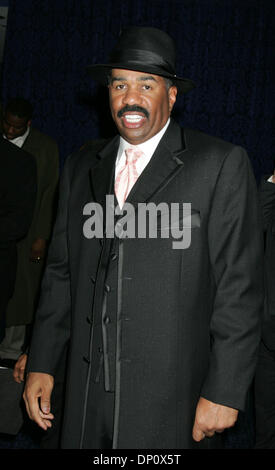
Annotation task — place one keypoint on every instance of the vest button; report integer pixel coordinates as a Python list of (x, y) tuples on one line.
[(107, 320), (107, 288), (113, 256)]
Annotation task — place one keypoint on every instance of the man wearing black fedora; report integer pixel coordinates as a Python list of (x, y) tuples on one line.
[(162, 333)]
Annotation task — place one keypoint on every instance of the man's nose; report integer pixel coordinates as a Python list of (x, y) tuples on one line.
[(10, 130), (132, 96)]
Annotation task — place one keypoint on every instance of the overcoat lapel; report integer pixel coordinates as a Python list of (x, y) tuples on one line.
[(102, 175), (29, 143), (164, 165)]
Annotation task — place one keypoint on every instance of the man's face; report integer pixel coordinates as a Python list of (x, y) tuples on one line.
[(14, 126), (140, 104)]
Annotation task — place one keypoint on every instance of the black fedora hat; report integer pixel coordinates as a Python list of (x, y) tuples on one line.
[(143, 49)]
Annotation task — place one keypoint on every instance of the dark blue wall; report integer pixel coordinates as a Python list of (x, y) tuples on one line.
[(225, 46)]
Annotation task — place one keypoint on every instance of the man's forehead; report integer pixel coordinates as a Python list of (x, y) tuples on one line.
[(11, 118), (125, 74)]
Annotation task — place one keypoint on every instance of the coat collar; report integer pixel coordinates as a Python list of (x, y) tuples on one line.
[(166, 162), (102, 175)]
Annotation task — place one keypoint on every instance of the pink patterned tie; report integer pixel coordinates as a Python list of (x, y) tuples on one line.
[(128, 175)]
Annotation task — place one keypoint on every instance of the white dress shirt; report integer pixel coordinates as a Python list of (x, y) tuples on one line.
[(19, 141), (148, 148)]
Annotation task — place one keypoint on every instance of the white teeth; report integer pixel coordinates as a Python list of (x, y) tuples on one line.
[(133, 117)]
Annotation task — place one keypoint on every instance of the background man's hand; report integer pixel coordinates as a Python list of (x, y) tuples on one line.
[(38, 249), (37, 396), (19, 368), (211, 417)]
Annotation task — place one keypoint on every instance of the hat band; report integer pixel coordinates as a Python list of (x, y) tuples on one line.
[(140, 57)]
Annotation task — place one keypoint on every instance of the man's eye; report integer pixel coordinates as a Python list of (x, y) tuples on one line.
[(121, 86), (147, 87)]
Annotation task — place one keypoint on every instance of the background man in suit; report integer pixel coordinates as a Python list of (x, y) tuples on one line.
[(162, 342), (16, 126), (265, 371), (17, 196)]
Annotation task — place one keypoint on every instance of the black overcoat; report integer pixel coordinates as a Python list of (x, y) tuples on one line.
[(22, 305), (187, 320), (267, 201), (18, 186)]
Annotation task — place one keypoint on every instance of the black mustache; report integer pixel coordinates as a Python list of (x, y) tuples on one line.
[(128, 109)]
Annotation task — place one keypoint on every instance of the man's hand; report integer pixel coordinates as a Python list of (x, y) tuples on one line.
[(37, 396), (38, 249), (211, 417), (19, 368)]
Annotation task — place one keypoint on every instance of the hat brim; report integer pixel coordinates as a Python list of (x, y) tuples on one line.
[(100, 72)]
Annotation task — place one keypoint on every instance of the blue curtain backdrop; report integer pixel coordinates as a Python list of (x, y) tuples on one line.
[(225, 46)]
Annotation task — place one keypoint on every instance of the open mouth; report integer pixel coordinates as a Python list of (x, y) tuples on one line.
[(133, 120), (133, 117)]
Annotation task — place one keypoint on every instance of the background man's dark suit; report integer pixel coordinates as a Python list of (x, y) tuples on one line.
[(17, 198), (22, 306), (177, 324), (265, 372)]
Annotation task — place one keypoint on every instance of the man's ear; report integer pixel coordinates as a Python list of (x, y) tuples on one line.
[(172, 94)]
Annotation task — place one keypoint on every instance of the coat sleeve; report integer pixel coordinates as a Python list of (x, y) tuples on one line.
[(51, 331), (267, 202), (17, 204), (45, 217), (236, 255)]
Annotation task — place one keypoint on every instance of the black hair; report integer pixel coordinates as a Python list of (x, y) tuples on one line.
[(20, 107)]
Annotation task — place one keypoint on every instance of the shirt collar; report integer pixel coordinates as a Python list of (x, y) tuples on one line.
[(19, 141), (147, 147)]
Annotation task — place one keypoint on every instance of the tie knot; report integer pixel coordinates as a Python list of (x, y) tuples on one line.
[(132, 154)]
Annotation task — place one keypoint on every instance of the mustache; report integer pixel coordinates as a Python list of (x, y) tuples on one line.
[(129, 108)]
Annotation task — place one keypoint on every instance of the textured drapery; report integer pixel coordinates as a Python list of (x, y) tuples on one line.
[(225, 46)]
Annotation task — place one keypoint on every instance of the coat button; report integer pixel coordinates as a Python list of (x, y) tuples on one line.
[(113, 256), (107, 320), (86, 359), (89, 320)]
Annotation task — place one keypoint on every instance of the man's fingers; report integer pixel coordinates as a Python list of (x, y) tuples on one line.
[(210, 433), (47, 418), (198, 434), (34, 413), (45, 404), (37, 397), (18, 374), (212, 417), (21, 374), (19, 369)]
